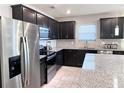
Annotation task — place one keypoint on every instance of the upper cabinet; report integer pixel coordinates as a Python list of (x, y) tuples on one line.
[(52, 29), (23, 13), (42, 20), (67, 30), (111, 28), (57, 30)]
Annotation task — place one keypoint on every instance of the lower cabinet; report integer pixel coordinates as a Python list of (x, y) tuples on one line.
[(118, 52), (59, 58), (75, 57), (43, 71)]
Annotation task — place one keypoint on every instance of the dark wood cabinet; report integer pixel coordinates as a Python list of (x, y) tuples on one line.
[(108, 25), (121, 27), (105, 28), (29, 15), (118, 52), (67, 30), (52, 29), (42, 20), (59, 58), (62, 33), (43, 71), (75, 57), (57, 30), (23, 13), (90, 51), (17, 12)]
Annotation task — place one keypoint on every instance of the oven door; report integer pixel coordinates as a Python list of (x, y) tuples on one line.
[(52, 56), (51, 66)]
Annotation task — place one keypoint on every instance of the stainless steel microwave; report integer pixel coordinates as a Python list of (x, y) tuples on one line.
[(44, 33)]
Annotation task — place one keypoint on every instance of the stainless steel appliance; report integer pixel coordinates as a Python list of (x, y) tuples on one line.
[(51, 59), (19, 54), (44, 33)]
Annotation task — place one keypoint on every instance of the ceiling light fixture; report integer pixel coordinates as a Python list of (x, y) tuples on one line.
[(68, 11)]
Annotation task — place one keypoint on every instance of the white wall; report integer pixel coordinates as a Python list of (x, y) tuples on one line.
[(5, 10)]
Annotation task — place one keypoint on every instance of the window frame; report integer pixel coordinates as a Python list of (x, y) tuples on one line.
[(91, 32)]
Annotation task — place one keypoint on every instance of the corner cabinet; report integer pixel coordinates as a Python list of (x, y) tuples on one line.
[(75, 57), (59, 58), (67, 30), (23, 13), (108, 27)]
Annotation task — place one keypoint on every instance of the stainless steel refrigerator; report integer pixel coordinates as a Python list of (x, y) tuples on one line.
[(19, 54)]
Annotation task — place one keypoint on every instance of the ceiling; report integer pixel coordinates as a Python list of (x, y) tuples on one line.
[(59, 10)]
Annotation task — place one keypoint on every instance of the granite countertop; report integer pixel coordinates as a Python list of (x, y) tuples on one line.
[(58, 49), (102, 71)]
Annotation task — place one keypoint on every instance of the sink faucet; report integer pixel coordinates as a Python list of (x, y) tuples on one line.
[(86, 46)]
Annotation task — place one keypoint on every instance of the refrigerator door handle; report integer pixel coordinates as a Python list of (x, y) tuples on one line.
[(24, 62), (28, 60)]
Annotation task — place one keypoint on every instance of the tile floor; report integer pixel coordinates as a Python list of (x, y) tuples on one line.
[(66, 77)]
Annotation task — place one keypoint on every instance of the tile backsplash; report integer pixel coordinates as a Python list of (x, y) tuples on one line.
[(44, 42), (73, 43), (91, 44)]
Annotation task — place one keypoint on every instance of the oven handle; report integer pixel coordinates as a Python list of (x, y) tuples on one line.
[(51, 56)]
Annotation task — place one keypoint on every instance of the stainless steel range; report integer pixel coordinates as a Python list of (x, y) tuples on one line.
[(51, 59)]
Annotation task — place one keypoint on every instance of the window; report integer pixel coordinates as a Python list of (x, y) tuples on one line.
[(87, 32)]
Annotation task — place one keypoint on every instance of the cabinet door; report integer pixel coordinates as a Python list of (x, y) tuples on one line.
[(78, 57), (108, 25), (70, 28), (74, 57), (121, 27), (59, 58), (42, 20), (57, 34), (68, 58), (17, 12), (117, 22), (63, 30), (114, 23), (67, 30), (105, 28), (52, 33), (29, 15)]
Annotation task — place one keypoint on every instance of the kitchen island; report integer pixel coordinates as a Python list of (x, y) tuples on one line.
[(102, 71)]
